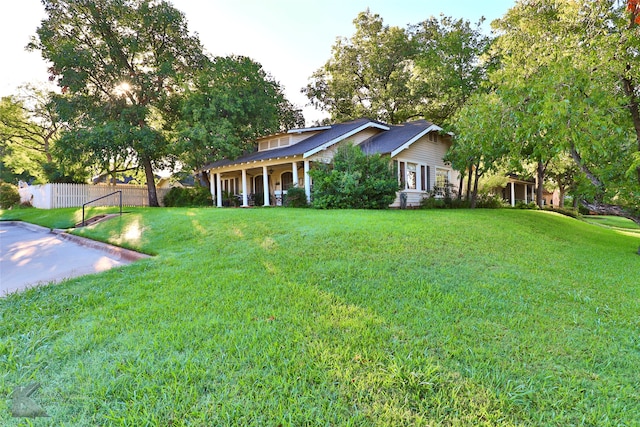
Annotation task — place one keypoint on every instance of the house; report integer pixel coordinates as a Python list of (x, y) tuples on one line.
[(517, 189), (416, 148)]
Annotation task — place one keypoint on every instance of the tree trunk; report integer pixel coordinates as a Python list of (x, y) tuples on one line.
[(539, 191), (634, 109), (151, 182), (469, 179), (604, 209), (460, 186), (561, 190), (474, 195)]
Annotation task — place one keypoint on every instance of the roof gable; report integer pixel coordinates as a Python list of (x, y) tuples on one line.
[(398, 138)]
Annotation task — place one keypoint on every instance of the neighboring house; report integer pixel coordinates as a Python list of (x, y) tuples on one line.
[(517, 190), (416, 148)]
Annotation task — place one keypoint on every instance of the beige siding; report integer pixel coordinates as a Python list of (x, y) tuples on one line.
[(357, 139), (429, 153)]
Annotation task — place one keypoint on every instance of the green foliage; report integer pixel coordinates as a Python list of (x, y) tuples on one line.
[(443, 198), (354, 181), (29, 131), (489, 201), (9, 195), (188, 196), (120, 66), (295, 198), (368, 74), (394, 74), (346, 318), (233, 102), (573, 213)]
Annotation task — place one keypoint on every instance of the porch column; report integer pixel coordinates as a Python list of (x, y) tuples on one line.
[(218, 190), (212, 187), (294, 171), (245, 199), (265, 185), (307, 181), (533, 193), (513, 194), (526, 188)]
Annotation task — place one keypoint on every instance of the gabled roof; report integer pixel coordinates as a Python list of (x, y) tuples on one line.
[(307, 147), (398, 138)]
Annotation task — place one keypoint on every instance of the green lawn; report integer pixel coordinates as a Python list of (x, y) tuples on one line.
[(289, 317), (615, 222)]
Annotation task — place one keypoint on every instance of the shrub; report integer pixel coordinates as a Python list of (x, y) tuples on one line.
[(188, 196), (9, 195), (295, 198), (489, 201), (566, 211), (443, 198), (354, 181)]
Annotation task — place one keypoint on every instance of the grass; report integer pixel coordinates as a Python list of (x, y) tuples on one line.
[(614, 222), (305, 317)]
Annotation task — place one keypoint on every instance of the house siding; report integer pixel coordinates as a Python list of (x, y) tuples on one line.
[(326, 156), (429, 153)]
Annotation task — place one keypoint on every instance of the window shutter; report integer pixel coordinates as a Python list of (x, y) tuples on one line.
[(403, 183), (423, 178), (428, 179)]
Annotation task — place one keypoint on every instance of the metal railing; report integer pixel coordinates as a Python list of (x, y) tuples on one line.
[(99, 198)]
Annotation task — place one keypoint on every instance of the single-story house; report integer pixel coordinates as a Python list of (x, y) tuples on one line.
[(416, 148), (517, 189)]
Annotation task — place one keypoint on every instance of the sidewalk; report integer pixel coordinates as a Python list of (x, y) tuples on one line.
[(31, 255)]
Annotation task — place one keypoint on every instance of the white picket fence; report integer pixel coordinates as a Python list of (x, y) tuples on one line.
[(51, 196)]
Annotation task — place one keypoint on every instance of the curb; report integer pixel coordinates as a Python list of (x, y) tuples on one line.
[(115, 251)]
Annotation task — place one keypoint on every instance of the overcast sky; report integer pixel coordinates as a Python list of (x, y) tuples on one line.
[(290, 38)]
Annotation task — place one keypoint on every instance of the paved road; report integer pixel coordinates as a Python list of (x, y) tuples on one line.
[(32, 255)]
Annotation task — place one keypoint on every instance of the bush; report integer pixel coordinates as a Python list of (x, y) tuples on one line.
[(354, 181), (566, 211), (489, 201), (443, 198), (9, 195), (295, 198), (188, 196)]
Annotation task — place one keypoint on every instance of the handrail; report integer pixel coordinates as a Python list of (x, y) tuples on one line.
[(95, 200)]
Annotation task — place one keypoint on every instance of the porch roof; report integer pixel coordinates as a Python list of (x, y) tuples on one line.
[(333, 133)]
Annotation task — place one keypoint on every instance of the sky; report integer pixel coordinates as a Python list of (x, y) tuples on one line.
[(290, 38)]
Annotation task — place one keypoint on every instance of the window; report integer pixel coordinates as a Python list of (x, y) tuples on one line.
[(442, 181), (411, 176), (287, 180)]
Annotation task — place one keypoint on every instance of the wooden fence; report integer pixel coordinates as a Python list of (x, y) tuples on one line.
[(51, 196)]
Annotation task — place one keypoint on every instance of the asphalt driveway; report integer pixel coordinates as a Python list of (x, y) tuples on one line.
[(31, 255)]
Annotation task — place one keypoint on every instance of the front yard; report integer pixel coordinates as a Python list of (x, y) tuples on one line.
[(307, 317)]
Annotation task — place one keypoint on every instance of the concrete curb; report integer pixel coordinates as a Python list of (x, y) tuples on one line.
[(115, 251)]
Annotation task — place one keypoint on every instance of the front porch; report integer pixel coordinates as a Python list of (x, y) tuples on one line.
[(259, 183), (518, 190)]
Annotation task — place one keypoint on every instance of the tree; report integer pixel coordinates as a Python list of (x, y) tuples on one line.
[(29, 128), (354, 181), (367, 75), (567, 74), (449, 65), (231, 103), (119, 64), (482, 128)]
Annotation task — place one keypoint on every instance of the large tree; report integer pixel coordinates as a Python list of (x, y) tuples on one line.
[(368, 75), (119, 63), (568, 76), (231, 102), (29, 131), (450, 65)]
